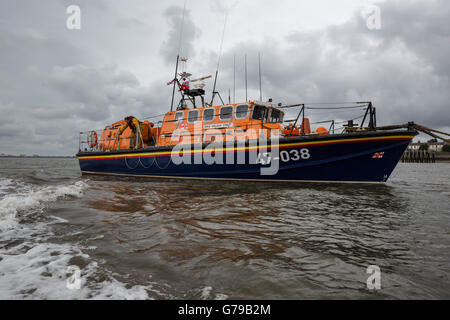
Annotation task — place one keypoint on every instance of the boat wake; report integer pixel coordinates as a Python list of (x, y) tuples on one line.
[(28, 199), (35, 263)]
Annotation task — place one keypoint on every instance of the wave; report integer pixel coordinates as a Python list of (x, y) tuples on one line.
[(42, 272), (5, 184), (28, 197), (206, 293), (33, 267)]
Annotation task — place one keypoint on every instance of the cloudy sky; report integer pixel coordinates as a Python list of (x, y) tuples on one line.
[(56, 82)]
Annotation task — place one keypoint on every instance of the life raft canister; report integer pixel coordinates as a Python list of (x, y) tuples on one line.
[(92, 139), (321, 131)]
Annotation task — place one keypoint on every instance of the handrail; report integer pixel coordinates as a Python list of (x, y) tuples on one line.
[(104, 143)]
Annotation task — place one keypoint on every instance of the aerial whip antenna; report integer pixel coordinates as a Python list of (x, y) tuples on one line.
[(214, 92), (234, 78), (245, 78), (178, 55), (259, 67)]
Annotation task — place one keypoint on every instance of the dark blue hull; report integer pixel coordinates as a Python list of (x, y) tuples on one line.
[(356, 157)]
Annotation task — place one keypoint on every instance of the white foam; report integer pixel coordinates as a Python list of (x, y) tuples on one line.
[(31, 267), (31, 198), (41, 273), (221, 296), (206, 294), (206, 291), (5, 184)]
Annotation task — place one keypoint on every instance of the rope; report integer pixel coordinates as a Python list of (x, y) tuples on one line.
[(334, 108), (162, 168), (324, 103), (151, 117), (126, 163), (334, 112), (142, 164)]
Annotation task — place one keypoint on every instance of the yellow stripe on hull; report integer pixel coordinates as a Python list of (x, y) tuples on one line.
[(296, 144)]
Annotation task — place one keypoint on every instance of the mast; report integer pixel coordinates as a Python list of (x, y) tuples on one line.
[(214, 92), (174, 82), (214, 87)]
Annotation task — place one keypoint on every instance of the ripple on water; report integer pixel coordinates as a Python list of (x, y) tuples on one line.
[(138, 238)]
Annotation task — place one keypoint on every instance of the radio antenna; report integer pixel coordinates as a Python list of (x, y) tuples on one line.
[(178, 55), (234, 78), (214, 92), (245, 63), (259, 67)]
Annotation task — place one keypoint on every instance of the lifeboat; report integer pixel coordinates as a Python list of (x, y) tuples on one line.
[(248, 141)]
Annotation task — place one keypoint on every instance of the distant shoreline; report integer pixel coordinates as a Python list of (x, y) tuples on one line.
[(36, 157), (442, 157)]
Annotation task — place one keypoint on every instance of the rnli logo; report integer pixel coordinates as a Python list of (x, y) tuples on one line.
[(378, 155)]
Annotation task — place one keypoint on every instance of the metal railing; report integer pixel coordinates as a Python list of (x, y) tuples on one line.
[(96, 141)]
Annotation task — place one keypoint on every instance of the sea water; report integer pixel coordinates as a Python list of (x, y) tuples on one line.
[(67, 236)]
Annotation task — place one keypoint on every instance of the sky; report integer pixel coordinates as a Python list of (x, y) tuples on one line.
[(56, 81)]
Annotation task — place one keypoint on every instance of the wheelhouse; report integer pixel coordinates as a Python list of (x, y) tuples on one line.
[(267, 113), (240, 117)]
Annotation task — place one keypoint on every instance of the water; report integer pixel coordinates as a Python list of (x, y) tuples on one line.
[(147, 239)]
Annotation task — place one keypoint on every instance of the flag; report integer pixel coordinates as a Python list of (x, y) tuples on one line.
[(184, 86), (378, 155)]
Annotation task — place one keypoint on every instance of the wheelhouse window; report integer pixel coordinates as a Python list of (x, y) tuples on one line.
[(179, 117), (259, 112), (193, 116), (226, 113), (242, 111), (275, 116), (208, 115)]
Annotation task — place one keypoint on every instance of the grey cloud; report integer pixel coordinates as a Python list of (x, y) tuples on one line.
[(101, 94), (422, 26), (406, 76), (190, 32), (222, 7), (55, 83), (93, 90), (130, 23), (84, 98)]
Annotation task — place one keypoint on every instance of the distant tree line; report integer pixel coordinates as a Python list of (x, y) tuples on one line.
[(426, 146)]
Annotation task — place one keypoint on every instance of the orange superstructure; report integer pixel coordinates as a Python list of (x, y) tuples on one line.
[(111, 140), (196, 121), (235, 121), (238, 121)]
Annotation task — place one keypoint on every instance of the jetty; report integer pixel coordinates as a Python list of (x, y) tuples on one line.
[(419, 156)]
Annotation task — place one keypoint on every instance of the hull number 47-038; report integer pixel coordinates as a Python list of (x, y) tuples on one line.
[(265, 158)]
